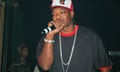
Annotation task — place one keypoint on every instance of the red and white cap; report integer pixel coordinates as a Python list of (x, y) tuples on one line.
[(62, 3)]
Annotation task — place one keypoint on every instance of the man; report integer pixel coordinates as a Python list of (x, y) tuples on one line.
[(20, 65), (69, 47)]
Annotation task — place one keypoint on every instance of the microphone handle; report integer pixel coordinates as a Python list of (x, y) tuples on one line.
[(47, 30)]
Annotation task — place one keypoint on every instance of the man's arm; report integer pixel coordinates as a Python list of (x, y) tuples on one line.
[(45, 59)]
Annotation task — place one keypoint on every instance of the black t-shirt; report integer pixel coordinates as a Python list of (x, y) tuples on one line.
[(89, 54)]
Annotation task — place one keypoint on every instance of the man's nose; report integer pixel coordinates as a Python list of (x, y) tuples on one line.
[(57, 16)]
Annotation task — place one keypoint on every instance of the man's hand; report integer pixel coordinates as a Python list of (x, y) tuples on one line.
[(59, 25)]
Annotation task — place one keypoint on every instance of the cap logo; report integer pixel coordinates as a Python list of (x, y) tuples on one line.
[(62, 1)]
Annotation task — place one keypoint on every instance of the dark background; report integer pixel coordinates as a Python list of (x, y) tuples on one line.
[(25, 22)]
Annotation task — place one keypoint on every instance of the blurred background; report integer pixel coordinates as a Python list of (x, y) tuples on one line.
[(23, 20)]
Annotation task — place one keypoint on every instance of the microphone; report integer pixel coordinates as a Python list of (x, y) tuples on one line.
[(47, 30)]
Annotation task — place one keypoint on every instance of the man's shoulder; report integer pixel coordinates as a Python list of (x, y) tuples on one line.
[(86, 30)]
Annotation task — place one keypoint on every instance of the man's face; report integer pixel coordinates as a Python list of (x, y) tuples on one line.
[(24, 52), (62, 14)]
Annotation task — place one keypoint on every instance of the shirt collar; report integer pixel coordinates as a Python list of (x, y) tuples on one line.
[(70, 33)]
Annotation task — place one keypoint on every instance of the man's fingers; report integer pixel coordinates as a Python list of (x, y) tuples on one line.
[(51, 23)]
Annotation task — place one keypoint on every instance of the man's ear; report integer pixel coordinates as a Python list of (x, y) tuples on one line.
[(72, 13)]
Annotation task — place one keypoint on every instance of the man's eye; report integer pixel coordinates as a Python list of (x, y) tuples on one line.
[(62, 12)]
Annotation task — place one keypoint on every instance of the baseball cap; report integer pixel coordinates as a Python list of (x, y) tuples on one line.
[(62, 3)]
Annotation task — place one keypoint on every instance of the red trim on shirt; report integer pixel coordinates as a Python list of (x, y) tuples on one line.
[(70, 33), (105, 68)]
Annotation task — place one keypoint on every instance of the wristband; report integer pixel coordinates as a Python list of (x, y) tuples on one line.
[(49, 41)]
